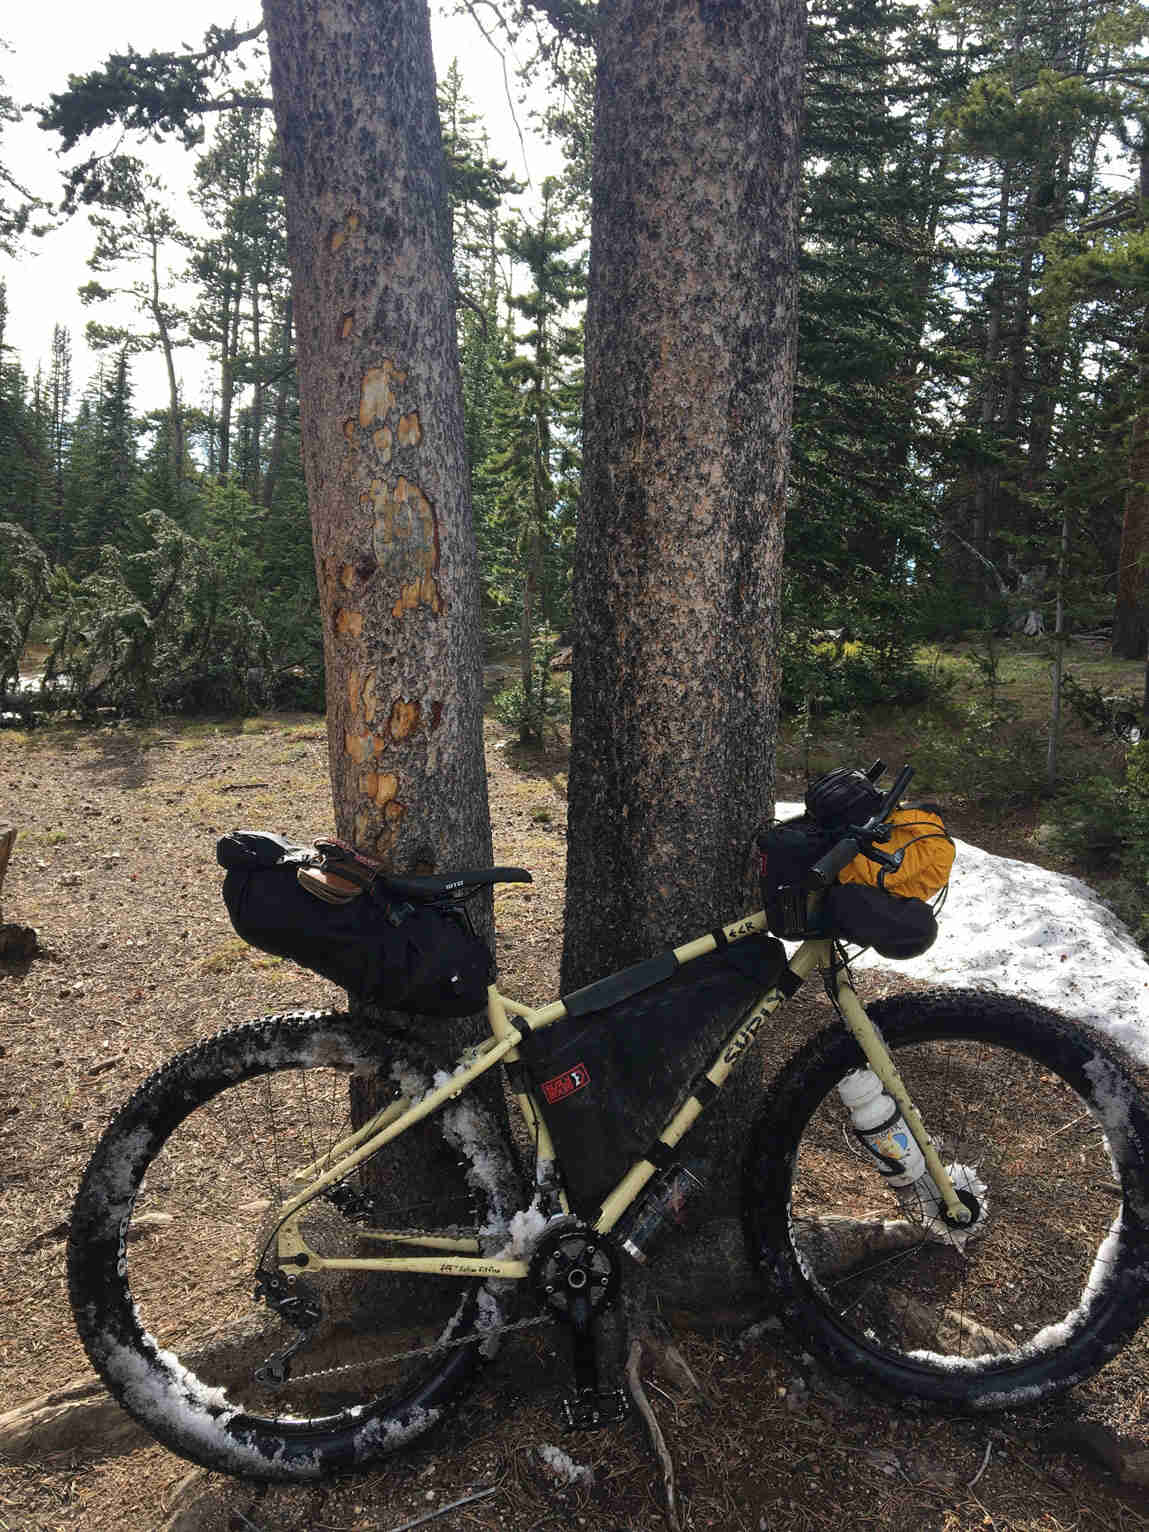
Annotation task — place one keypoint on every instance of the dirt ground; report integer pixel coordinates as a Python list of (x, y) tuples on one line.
[(115, 866)]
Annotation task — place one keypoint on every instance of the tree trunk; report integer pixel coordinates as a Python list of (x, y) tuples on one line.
[(1131, 615), (175, 410), (690, 362), (275, 454), (233, 292), (382, 426)]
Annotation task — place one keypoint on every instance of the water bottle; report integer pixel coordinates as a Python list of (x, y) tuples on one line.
[(886, 1136), (664, 1203)]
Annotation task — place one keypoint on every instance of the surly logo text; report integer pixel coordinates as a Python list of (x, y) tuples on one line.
[(744, 1038)]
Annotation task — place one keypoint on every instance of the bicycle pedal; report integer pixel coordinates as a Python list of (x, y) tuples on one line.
[(589, 1410)]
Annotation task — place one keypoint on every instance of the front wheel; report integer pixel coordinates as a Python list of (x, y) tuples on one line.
[(1048, 1132), (228, 1358)]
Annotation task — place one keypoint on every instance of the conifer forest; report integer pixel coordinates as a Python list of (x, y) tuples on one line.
[(971, 420)]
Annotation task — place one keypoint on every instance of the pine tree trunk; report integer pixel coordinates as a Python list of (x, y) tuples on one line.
[(233, 293), (382, 426), (275, 454), (690, 363), (1131, 616)]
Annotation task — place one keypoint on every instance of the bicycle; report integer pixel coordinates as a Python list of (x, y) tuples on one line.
[(320, 1299)]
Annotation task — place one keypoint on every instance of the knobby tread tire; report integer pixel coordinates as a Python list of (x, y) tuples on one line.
[(191, 1419), (1066, 1049)]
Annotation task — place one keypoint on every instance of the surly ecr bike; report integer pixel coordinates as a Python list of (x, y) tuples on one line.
[(297, 1240)]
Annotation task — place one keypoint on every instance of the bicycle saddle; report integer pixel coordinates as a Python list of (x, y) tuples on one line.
[(470, 878)]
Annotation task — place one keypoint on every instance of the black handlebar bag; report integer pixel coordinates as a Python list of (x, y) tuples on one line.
[(421, 958), (786, 852)]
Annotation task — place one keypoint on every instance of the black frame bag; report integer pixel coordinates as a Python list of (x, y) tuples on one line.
[(610, 1074), (423, 958)]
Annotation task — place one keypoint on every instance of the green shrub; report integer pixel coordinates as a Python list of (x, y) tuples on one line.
[(547, 704), (981, 756), (1105, 824), (860, 677)]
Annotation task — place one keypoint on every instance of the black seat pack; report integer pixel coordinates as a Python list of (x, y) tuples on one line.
[(609, 1079), (404, 956)]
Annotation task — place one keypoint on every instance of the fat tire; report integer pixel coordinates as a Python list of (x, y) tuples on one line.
[(1064, 1048), (191, 1419)]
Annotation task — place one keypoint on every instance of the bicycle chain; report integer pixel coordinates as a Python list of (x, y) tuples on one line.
[(403, 1356)]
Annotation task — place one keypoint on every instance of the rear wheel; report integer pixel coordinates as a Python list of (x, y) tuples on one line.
[(176, 1292), (1047, 1131)]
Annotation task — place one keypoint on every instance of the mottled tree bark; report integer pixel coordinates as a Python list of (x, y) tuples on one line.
[(689, 373), (381, 404), (690, 361)]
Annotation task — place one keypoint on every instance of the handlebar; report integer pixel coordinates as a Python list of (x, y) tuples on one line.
[(860, 838)]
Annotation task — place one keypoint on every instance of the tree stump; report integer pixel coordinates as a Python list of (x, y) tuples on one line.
[(18, 944)]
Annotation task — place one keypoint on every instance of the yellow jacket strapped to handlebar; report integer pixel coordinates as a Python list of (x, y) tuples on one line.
[(928, 855)]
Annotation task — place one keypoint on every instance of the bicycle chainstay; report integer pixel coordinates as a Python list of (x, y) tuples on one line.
[(357, 1208)]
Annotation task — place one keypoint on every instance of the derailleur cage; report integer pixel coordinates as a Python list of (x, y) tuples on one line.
[(298, 1305)]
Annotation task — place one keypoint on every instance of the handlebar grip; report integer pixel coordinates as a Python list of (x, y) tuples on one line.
[(826, 869), (892, 798)]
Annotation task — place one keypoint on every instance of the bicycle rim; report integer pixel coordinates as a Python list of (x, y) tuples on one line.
[(176, 1221), (1044, 1131)]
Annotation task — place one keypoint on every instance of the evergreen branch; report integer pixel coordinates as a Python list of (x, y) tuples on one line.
[(227, 40), (574, 22), (468, 302)]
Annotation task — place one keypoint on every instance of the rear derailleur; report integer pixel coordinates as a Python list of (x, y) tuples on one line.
[(298, 1305), (576, 1275)]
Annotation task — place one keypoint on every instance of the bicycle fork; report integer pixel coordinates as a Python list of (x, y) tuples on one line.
[(869, 1039)]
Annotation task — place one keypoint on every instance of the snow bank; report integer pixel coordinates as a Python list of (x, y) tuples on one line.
[(1022, 930)]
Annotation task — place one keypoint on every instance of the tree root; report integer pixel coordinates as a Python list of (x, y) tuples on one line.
[(668, 1360)]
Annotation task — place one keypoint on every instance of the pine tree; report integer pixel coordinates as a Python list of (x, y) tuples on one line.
[(538, 427), (137, 231)]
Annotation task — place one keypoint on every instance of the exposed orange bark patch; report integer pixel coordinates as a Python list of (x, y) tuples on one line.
[(424, 592), (406, 544), (346, 325), (404, 719), (410, 430), (384, 440), (354, 685), (377, 392), (352, 223), (349, 428), (347, 575), (369, 699), (348, 624), (380, 786), (357, 746)]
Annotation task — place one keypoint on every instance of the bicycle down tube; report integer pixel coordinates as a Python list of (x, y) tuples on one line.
[(459, 1256)]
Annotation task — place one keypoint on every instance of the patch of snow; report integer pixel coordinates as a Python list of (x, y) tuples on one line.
[(1022, 930), (565, 1468)]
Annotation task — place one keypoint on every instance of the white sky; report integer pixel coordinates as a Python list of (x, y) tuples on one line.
[(72, 38)]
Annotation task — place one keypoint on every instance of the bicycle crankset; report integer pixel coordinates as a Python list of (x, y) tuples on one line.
[(576, 1275), (572, 1267)]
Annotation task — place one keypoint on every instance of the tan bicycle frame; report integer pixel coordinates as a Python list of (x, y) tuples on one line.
[(461, 1257)]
